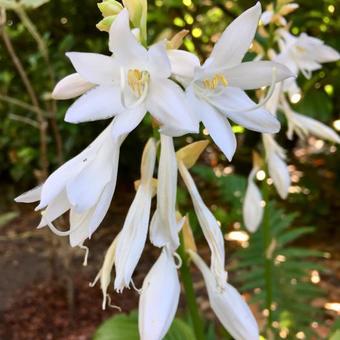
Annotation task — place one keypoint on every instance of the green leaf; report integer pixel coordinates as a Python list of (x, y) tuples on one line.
[(292, 235), (125, 327), (8, 217)]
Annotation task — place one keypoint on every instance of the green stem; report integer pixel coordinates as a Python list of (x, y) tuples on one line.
[(268, 269), (190, 293)]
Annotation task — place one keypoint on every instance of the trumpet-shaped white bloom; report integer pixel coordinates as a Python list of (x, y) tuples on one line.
[(304, 53), (84, 185), (277, 17), (277, 167), (303, 125), (159, 298), (211, 230), (216, 90), (252, 205), (133, 234), (164, 227), (133, 79), (228, 305)]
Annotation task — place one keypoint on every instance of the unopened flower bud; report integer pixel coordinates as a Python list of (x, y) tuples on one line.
[(109, 8), (105, 24)]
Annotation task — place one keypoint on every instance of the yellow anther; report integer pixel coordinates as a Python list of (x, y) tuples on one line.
[(137, 80), (217, 79)]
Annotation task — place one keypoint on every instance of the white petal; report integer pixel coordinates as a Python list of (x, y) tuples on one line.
[(102, 102), (159, 298), (183, 65), (30, 196), (71, 86), (158, 61), (235, 40), (95, 68), (167, 103), (317, 128), (79, 226), (55, 209), (256, 74), (127, 121), (211, 230), (163, 230), (84, 190), (58, 180), (133, 234), (326, 54), (123, 44), (279, 173), (257, 120), (229, 306), (217, 125), (252, 205), (132, 237)]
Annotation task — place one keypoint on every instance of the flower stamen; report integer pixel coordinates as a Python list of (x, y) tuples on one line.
[(218, 79)]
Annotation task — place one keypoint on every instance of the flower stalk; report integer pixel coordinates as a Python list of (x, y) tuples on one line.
[(192, 306)]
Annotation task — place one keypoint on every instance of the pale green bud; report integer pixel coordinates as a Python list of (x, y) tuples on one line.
[(105, 24), (109, 7)]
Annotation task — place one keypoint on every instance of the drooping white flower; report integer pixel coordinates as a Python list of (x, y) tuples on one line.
[(84, 185), (164, 227), (228, 305), (304, 53), (133, 234), (159, 298), (216, 90), (132, 78), (304, 126), (211, 229), (277, 167), (252, 205)]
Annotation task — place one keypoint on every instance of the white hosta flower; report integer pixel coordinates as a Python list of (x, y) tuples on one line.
[(304, 126), (132, 78), (216, 90), (159, 298), (252, 205), (71, 86), (277, 167), (304, 53), (84, 185), (133, 234), (164, 227), (228, 305), (211, 229)]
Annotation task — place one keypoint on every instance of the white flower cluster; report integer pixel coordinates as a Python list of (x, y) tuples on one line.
[(301, 54), (179, 92)]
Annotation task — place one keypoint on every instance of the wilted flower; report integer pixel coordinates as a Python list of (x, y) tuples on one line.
[(228, 305), (133, 234), (164, 227), (159, 298), (278, 16), (216, 89)]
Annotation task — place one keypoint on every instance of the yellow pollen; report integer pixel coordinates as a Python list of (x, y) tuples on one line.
[(217, 79), (300, 49), (137, 80)]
